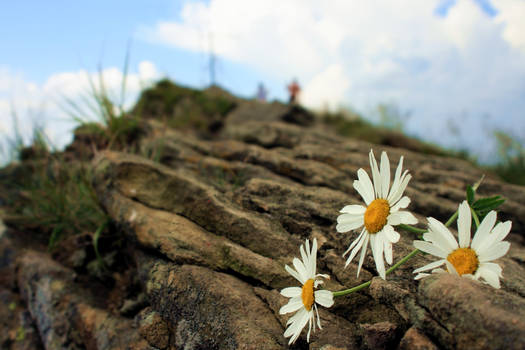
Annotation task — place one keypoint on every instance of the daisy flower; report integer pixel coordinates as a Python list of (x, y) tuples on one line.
[(469, 259), (381, 213), (304, 299)]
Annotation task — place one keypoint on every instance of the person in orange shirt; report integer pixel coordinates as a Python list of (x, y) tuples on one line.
[(294, 90)]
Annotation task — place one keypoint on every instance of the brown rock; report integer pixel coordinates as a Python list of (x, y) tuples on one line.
[(415, 340), (153, 328), (62, 312), (156, 186), (17, 331), (210, 310), (183, 241), (208, 217), (476, 315), (380, 335)]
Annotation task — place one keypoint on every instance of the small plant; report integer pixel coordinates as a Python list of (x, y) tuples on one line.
[(113, 124), (511, 166), (57, 198), (183, 107), (13, 145), (349, 123)]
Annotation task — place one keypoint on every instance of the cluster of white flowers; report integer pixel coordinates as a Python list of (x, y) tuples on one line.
[(376, 221)]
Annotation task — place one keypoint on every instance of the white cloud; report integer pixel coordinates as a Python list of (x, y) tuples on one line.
[(466, 62), (511, 14), (45, 105), (327, 89)]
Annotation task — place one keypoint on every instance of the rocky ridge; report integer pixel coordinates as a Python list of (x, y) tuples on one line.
[(208, 226)]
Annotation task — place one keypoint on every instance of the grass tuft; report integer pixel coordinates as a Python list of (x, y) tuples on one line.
[(97, 114), (511, 166), (56, 199)]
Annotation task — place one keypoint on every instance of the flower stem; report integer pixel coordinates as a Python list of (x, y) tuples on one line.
[(406, 258), (412, 228), (452, 219), (366, 284), (351, 290), (475, 216)]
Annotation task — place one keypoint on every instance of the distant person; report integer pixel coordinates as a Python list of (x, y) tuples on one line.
[(294, 90), (262, 93)]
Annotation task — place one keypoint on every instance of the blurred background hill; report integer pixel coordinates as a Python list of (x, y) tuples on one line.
[(447, 72)]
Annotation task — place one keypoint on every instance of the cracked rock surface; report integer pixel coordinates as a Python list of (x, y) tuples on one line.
[(209, 225)]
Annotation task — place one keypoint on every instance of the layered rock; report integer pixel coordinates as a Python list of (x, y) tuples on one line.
[(209, 223)]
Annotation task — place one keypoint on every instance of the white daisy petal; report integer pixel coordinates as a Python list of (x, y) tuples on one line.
[(421, 275), (464, 222), (313, 260), (364, 179), (318, 318), (349, 226), (430, 266), (307, 248), (367, 196), (305, 259), (347, 218), (309, 330), (385, 175), (323, 276), (355, 249), (293, 305), (294, 274), (375, 174), (439, 229), (324, 298), (391, 234), (354, 209), (493, 267), (377, 251), (402, 204), (397, 178), (439, 270), (484, 229), (297, 325), (430, 248), (388, 251), (300, 268), (401, 188), (363, 232), (500, 231), (438, 240), (401, 217), (494, 252), (294, 318), (300, 325), (291, 292), (451, 269), (489, 276), (363, 253)]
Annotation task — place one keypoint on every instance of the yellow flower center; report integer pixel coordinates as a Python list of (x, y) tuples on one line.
[(464, 260), (308, 294), (376, 215)]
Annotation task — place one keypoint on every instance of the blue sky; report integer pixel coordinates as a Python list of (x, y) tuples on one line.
[(59, 36), (457, 68)]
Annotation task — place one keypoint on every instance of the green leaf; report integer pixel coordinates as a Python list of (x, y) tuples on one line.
[(55, 236), (476, 185), (488, 203), (470, 195), (96, 236)]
